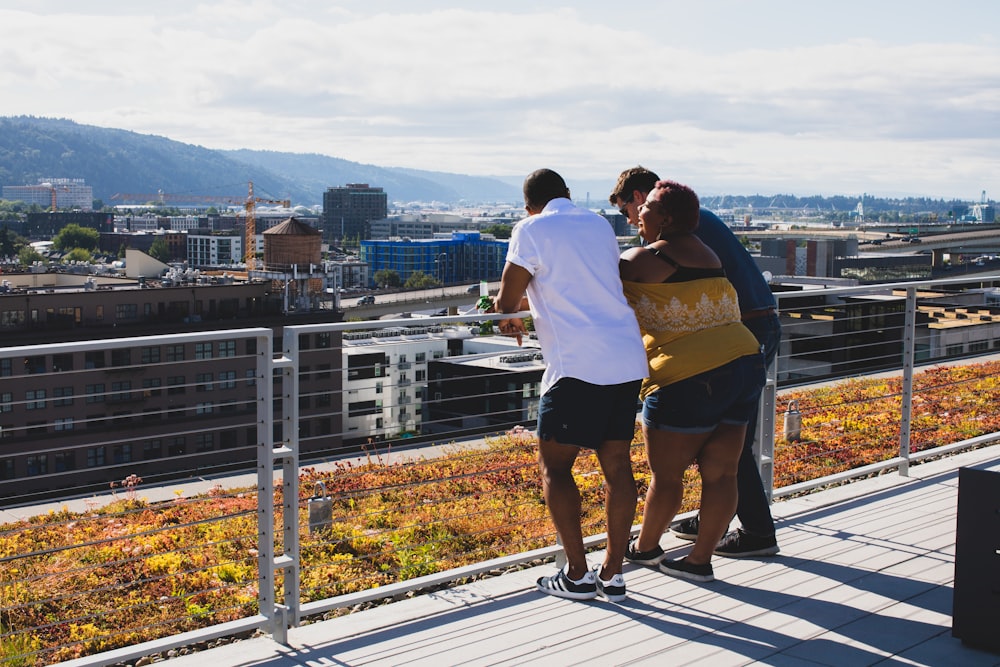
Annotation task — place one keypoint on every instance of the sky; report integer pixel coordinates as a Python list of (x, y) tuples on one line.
[(884, 97)]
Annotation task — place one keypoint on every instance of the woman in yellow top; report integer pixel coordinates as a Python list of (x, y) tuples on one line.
[(706, 373)]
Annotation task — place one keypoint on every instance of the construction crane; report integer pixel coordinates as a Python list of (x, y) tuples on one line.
[(54, 188), (249, 205)]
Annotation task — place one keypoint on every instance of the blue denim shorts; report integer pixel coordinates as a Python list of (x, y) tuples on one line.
[(728, 394), (574, 412)]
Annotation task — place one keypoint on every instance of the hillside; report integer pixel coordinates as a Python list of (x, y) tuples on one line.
[(118, 161), (113, 161)]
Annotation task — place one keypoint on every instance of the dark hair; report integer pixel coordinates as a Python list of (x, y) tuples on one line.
[(679, 202), (542, 186), (630, 180)]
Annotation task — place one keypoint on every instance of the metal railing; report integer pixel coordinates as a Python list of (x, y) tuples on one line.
[(388, 509)]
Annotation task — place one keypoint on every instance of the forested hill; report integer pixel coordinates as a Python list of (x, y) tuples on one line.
[(118, 161)]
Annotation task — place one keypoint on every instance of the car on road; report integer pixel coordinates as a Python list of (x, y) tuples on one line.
[(366, 300)]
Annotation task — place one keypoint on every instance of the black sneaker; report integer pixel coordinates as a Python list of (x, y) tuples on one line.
[(562, 586), (740, 544), (613, 589), (686, 529), (685, 570), (651, 557)]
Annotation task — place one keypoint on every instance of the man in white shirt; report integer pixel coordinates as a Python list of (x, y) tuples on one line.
[(565, 259)]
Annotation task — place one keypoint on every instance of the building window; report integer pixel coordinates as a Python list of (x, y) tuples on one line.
[(6, 468), (63, 423), (378, 387), (421, 357), (176, 446), (95, 457), (34, 399), (202, 350), (64, 461), (126, 311), (95, 393), (251, 346), (323, 340), (6, 401), (12, 318), (6, 368), (175, 385), (227, 380), (34, 365), (62, 396), (150, 387), (150, 355), (979, 346), (227, 348), (203, 409), (175, 353), (121, 391), (93, 359), (251, 376), (122, 454), (152, 449), (38, 464), (420, 375), (204, 442), (121, 357), (203, 382), (62, 362)]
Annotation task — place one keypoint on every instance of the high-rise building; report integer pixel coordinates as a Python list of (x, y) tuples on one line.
[(349, 210)]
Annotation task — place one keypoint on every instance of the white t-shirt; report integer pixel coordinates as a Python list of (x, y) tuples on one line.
[(585, 326)]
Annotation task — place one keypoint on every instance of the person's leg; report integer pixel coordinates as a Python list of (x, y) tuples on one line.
[(752, 508), (669, 454), (562, 497), (717, 463), (616, 463)]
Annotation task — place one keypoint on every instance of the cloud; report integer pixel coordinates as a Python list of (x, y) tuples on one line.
[(795, 101)]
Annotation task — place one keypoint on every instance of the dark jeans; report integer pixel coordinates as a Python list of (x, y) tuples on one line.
[(752, 508)]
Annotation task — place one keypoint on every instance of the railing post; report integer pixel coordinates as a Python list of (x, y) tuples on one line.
[(265, 480), (763, 445), (288, 455), (906, 409)]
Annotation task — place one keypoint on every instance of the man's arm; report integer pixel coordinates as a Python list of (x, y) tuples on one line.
[(511, 298)]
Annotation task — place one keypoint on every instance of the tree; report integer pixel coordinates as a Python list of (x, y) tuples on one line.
[(78, 255), (420, 280), (27, 255), (74, 236), (159, 250), (499, 231), (8, 242), (387, 278)]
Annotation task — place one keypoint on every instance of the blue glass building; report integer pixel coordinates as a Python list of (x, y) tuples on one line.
[(466, 257)]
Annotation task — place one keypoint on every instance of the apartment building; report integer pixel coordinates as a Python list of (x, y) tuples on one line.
[(85, 412)]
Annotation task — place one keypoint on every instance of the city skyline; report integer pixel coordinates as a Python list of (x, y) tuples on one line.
[(889, 99)]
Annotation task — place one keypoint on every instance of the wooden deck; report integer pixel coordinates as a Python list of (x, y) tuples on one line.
[(864, 577)]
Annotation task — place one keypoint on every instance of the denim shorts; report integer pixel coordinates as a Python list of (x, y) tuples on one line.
[(574, 412), (728, 394)]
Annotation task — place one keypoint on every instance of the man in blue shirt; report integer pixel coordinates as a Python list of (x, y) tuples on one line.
[(756, 534)]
